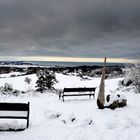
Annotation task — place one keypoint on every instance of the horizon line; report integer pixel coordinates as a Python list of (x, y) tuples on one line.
[(66, 59)]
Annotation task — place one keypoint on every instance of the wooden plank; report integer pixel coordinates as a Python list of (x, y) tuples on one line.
[(78, 89), (20, 129), (13, 113), (77, 94), (14, 106), (12, 117)]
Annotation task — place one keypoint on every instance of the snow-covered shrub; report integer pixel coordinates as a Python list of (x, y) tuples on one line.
[(115, 101), (16, 92), (6, 89), (12, 75), (132, 76), (28, 80), (46, 80)]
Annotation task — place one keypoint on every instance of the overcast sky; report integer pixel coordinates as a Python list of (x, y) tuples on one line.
[(70, 28)]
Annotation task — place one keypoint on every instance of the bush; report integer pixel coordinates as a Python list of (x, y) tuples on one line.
[(27, 80), (46, 80), (6, 89), (16, 92), (12, 75), (132, 76)]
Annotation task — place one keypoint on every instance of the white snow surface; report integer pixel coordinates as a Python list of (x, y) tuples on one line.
[(78, 118), (9, 74), (19, 82)]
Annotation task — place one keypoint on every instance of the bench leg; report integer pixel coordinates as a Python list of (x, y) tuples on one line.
[(27, 122), (63, 98), (59, 96), (28, 115), (89, 96), (94, 95)]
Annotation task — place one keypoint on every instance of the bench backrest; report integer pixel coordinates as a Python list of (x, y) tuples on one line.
[(78, 89), (15, 111)]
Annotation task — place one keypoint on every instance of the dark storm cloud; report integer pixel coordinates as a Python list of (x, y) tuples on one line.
[(82, 28)]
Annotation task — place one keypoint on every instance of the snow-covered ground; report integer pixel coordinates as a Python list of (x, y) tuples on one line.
[(78, 118), (12, 74)]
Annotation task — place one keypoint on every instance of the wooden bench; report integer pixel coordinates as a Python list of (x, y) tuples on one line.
[(15, 111), (79, 90)]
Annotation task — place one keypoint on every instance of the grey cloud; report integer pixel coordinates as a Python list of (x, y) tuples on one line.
[(91, 28)]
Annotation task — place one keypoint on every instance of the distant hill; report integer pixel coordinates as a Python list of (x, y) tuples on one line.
[(15, 63)]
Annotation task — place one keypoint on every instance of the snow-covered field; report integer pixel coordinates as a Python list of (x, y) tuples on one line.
[(78, 118)]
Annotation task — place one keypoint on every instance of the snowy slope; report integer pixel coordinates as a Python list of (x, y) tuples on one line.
[(19, 82), (77, 118)]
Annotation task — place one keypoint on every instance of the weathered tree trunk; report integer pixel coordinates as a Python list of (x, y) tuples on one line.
[(101, 96)]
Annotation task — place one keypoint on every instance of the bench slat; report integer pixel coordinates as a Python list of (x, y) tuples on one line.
[(12, 117), (78, 89), (13, 113), (14, 106), (77, 94)]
